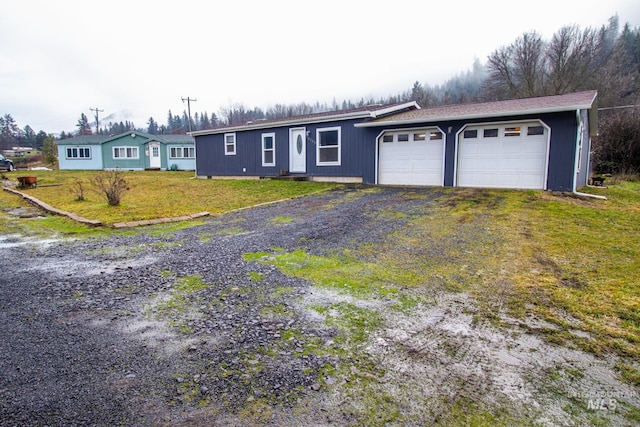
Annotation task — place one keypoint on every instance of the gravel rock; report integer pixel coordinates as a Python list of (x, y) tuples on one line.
[(98, 332)]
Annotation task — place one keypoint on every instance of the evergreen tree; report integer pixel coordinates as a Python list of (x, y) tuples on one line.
[(169, 121), (50, 150), (9, 132), (40, 137), (152, 126), (84, 128), (204, 122), (29, 136)]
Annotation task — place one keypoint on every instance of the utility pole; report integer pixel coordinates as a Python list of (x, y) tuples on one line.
[(97, 121), (189, 100)]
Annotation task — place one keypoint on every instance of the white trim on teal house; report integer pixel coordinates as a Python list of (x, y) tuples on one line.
[(127, 151)]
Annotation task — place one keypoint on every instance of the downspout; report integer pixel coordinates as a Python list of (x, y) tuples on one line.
[(576, 166)]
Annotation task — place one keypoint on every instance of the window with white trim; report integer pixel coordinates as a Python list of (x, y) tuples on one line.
[(268, 149), (182, 152), (229, 144), (328, 143), (125, 153), (580, 141), (81, 153)]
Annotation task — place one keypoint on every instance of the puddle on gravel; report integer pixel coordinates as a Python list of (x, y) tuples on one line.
[(90, 268), (9, 241)]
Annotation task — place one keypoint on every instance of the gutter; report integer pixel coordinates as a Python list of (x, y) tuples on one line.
[(593, 196)]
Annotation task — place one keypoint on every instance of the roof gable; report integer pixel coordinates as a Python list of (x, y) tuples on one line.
[(365, 112), (131, 134)]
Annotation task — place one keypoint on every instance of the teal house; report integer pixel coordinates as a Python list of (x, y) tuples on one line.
[(127, 151)]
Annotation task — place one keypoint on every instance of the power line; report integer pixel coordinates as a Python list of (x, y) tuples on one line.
[(97, 121), (617, 107), (189, 108)]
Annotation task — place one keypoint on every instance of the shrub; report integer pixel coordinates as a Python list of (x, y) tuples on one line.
[(78, 189), (111, 185), (616, 149)]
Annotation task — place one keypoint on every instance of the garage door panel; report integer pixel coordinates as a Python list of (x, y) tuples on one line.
[(410, 162), (502, 162)]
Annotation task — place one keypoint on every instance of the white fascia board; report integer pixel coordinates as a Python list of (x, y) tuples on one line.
[(286, 123), (310, 120), (470, 116), (395, 108)]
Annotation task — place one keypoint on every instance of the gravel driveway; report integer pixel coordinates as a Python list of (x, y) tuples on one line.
[(179, 328), (90, 334)]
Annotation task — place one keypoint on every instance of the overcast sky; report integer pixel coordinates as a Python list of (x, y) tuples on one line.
[(60, 58)]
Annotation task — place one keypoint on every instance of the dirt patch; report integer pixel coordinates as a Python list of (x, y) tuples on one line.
[(446, 355)]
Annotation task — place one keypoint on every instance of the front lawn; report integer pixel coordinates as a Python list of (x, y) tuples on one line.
[(161, 194)]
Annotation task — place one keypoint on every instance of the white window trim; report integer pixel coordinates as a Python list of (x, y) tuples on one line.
[(137, 156), (272, 135), (318, 132), (229, 153), (77, 157), (181, 150), (580, 144)]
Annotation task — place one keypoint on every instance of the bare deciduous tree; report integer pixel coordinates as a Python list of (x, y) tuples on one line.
[(571, 60), (518, 70)]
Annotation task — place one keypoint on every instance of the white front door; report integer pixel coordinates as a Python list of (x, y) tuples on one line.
[(154, 155), (298, 150)]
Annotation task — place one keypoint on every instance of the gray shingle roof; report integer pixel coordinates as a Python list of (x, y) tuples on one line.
[(100, 139), (545, 104)]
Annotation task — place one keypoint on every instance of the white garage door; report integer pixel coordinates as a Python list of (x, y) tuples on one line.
[(503, 156), (412, 157)]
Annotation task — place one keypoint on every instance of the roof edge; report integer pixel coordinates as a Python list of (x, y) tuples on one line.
[(543, 110), (294, 121)]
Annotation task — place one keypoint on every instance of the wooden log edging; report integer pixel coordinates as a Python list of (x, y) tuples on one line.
[(159, 220), (96, 223), (42, 205)]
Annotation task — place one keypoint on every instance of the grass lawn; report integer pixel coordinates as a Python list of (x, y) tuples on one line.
[(574, 262), (159, 194), (564, 269)]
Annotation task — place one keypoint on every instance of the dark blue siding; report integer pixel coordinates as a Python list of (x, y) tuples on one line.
[(358, 149), (562, 150), (357, 153)]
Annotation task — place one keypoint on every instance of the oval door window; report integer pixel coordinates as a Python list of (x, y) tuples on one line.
[(299, 144)]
